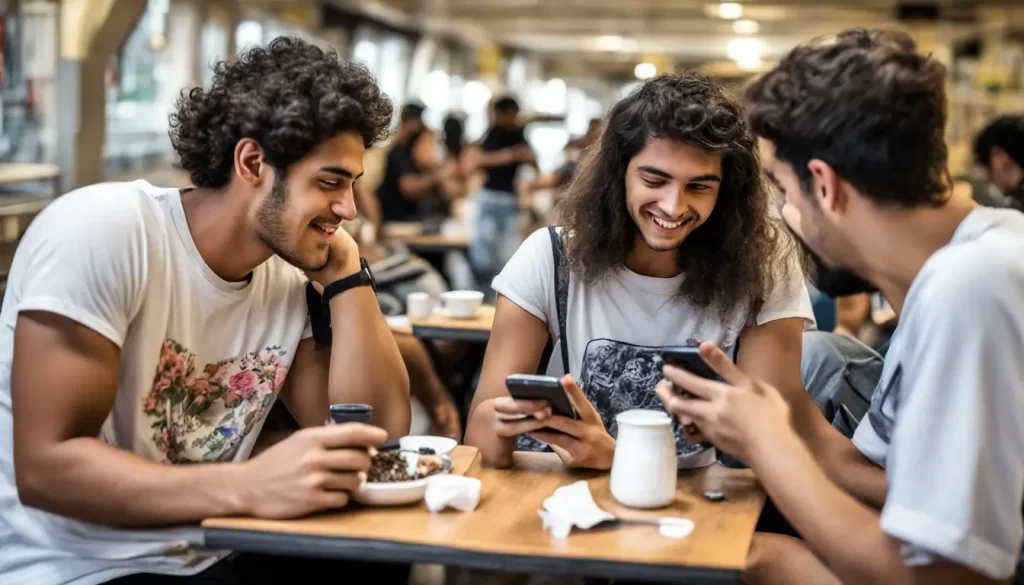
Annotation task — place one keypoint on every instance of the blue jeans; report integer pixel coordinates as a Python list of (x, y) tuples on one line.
[(840, 373), (496, 237)]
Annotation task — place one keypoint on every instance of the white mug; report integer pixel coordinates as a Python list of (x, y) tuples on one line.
[(418, 305), (644, 467), (462, 304)]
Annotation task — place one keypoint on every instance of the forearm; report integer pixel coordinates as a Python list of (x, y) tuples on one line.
[(852, 472), (842, 531), (497, 158), (366, 366), (414, 187), (87, 479), (496, 451)]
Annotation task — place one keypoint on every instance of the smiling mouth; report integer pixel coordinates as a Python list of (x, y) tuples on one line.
[(671, 225), (327, 229)]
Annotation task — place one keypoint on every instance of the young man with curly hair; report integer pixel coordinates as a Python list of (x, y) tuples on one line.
[(667, 241), (147, 331), (929, 489)]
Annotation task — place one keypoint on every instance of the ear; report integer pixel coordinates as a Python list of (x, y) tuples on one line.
[(249, 164), (826, 186)]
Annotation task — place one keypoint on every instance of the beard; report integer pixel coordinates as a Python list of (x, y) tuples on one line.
[(272, 231), (834, 281)]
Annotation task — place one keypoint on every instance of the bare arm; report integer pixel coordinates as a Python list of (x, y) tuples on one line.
[(414, 186), (365, 364), (844, 532), (772, 352), (59, 407), (515, 347)]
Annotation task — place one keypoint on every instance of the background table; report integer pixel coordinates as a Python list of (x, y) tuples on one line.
[(505, 533), (411, 234), (441, 326)]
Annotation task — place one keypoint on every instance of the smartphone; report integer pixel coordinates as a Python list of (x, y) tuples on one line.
[(688, 358), (547, 388)]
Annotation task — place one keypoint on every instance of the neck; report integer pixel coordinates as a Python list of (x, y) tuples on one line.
[(222, 227), (917, 234), (646, 261)]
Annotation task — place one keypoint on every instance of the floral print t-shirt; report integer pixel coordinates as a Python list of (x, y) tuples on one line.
[(202, 361)]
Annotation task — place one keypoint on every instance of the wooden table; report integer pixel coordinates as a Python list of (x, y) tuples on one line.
[(505, 533), (440, 326), (411, 234), (20, 172)]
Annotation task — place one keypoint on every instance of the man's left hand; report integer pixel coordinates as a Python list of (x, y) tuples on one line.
[(583, 442), (736, 415), (342, 261)]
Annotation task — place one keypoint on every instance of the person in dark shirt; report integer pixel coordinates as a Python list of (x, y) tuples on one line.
[(417, 186), (999, 150), (499, 155)]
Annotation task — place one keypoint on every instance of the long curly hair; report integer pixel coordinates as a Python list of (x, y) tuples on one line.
[(731, 262), (289, 96)]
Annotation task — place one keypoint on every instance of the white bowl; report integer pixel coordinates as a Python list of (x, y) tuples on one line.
[(398, 493), (462, 304), (440, 445)]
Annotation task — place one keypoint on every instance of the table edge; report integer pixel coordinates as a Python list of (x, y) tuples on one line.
[(389, 550), (450, 334)]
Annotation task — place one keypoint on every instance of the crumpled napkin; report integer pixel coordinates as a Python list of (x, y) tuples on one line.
[(456, 491), (572, 505)]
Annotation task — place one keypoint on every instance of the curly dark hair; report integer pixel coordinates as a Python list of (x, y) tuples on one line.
[(289, 96), (867, 104), (736, 257)]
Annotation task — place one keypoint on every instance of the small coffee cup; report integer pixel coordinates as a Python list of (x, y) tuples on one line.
[(462, 304), (418, 305), (347, 413)]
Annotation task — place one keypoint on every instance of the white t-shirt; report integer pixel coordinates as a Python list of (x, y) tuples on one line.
[(947, 417), (201, 363), (617, 328)]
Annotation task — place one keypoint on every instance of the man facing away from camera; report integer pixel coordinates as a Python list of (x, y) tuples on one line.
[(146, 333), (929, 489)]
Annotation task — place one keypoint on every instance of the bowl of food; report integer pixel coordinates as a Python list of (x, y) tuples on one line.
[(427, 444), (398, 477)]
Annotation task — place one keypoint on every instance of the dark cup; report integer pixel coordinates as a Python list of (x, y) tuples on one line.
[(346, 413)]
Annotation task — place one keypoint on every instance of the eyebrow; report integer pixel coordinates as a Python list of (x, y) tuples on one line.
[(660, 173), (341, 171)]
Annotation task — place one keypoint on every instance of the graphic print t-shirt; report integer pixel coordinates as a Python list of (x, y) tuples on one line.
[(202, 360), (618, 327), (947, 418)]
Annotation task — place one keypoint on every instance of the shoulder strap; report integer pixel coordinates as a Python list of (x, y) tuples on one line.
[(561, 280)]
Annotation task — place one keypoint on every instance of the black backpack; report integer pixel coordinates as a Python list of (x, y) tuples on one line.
[(561, 305)]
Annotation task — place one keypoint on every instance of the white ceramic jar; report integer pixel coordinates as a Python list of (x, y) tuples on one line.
[(644, 467)]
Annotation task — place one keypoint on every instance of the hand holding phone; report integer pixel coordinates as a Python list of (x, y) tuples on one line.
[(542, 388), (688, 358)]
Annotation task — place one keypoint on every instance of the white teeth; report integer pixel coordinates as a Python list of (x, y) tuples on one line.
[(669, 225)]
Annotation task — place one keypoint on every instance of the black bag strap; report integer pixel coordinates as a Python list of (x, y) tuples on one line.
[(561, 304)]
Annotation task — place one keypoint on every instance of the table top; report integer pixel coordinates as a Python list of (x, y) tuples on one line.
[(505, 533), (18, 172), (410, 234)]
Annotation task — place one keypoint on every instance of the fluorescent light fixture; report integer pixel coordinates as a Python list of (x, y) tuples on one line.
[(745, 27), (745, 50), (645, 70), (616, 44), (730, 10)]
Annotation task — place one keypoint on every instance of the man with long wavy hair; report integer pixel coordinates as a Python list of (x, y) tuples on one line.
[(668, 240)]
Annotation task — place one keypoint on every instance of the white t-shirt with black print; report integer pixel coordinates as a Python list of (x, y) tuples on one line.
[(201, 362), (618, 327)]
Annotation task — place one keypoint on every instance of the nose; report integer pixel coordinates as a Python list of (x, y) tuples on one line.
[(345, 206), (674, 204)]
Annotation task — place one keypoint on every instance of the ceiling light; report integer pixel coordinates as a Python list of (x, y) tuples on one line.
[(745, 27), (745, 50), (616, 44), (645, 70), (730, 10)]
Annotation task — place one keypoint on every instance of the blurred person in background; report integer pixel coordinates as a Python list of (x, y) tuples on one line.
[(419, 185), (499, 155), (930, 488), (172, 320), (668, 240), (999, 151)]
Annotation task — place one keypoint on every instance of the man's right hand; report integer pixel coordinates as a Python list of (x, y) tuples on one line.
[(315, 469), (512, 417)]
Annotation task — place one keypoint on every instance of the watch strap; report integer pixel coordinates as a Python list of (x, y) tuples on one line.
[(361, 278)]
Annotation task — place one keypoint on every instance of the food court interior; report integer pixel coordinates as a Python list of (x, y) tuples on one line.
[(88, 86)]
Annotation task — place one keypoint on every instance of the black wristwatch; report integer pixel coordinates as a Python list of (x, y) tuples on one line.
[(362, 278)]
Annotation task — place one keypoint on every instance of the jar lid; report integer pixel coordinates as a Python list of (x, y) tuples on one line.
[(644, 418)]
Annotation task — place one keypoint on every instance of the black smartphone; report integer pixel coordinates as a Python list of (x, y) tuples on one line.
[(688, 358), (547, 388)]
